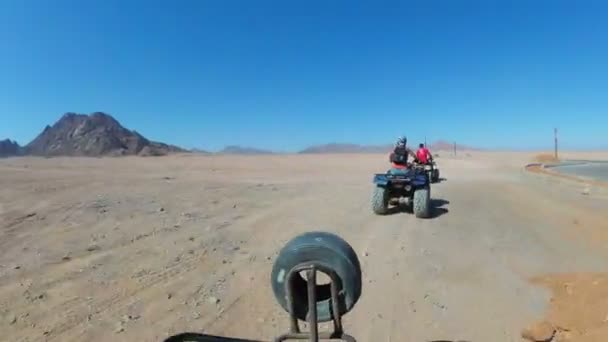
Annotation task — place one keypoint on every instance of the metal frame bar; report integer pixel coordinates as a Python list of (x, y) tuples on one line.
[(314, 335)]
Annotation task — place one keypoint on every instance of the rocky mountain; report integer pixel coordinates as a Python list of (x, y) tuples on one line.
[(98, 134), (9, 148), (234, 149)]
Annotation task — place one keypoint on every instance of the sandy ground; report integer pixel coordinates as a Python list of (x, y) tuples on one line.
[(135, 249)]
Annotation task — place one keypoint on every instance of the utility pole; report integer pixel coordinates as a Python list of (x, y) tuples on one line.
[(555, 140), (425, 141), (454, 148)]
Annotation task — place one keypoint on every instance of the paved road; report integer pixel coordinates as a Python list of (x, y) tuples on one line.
[(597, 171)]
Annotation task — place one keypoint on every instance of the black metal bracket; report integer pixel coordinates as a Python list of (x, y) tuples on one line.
[(314, 335)]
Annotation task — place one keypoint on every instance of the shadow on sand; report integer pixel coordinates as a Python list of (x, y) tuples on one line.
[(437, 208)]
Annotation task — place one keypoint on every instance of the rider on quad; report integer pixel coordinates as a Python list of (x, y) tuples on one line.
[(424, 155), (398, 157)]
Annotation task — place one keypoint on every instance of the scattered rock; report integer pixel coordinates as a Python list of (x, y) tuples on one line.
[(161, 209), (192, 239), (17, 267), (196, 315), (12, 319), (366, 253), (539, 332), (119, 328), (127, 318), (224, 261), (213, 300), (66, 257), (234, 206), (236, 248), (169, 295), (569, 289), (93, 248), (586, 191)]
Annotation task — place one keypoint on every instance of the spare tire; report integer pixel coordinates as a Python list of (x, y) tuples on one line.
[(330, 251)]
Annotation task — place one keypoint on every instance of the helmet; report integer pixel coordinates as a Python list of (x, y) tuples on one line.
[(401, 141)]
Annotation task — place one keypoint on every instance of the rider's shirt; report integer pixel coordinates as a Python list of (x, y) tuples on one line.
[(423, 155)]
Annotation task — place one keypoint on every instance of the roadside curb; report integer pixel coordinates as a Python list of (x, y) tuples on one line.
[(586, 186)]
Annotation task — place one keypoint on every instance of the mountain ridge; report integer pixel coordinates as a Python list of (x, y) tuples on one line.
[(93, 135)]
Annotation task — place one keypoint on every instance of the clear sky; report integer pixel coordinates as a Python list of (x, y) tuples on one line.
[(287, 74)]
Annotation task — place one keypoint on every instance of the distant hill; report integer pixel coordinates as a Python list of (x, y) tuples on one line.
[(199, 151), (234, 149), (98, 134), (9, 148), (439, 145), (345, 148), (442, 145)]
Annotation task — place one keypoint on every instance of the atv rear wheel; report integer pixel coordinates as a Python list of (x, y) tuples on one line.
[(380, 200), (422, 203)]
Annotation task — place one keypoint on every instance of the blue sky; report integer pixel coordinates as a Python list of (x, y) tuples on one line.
[(287, 74)]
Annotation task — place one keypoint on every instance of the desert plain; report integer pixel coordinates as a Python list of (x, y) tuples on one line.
[(137, 249)]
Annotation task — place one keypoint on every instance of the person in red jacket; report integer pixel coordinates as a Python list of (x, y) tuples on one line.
[(423, 154)]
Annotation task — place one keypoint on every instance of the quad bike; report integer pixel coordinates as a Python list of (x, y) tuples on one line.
[(301, 296), (432, 171), (411, 186)]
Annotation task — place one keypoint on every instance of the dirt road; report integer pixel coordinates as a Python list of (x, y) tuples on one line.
[(135, 249)]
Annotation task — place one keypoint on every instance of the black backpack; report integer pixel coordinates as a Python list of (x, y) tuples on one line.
[(400, 156)]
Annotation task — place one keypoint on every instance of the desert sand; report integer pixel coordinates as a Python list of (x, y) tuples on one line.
[(136, 249)]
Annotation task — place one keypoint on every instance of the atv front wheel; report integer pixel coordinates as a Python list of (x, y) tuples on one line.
[(380, 200), (422, 203), (323, 248)]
